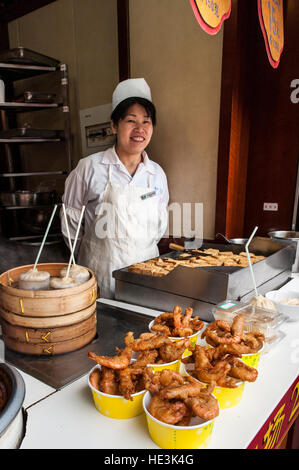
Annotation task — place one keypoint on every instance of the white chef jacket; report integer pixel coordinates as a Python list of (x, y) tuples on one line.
[(86, 184)]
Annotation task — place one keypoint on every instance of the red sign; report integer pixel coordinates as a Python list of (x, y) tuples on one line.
[(271, 21), (279, 422), (210, 14)]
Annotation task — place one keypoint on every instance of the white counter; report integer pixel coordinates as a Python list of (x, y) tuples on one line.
[(68, 419)]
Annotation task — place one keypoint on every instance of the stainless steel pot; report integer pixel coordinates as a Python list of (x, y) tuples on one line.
[(11, 417), (7, 198), (286, 236), (29, 198)]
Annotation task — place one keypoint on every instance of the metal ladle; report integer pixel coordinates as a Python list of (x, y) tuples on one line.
[(234, 241)]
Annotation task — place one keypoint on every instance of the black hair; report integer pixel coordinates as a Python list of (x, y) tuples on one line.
[(121, 109)]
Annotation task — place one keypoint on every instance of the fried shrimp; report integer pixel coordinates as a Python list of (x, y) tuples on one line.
[(155, 382), (242, 371), (220, 365), (175, 399), (186, 319), (170, 378), (238, 327), (149, 342), (146, 357), (205, 406), (166, 411), (201, 360), (95, 378), (108, 382), (221, 333), (104, 380), (159, 328), (225, 349), (218, 324), (253, 341), (121, 361), (189, 389), (125, 383), (173, 350), (213, 375), (177, 324)]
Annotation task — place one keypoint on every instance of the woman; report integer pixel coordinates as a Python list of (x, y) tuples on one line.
[(125, 193)]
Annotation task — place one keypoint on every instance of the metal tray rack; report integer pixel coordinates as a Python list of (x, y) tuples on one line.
[(202, 288)]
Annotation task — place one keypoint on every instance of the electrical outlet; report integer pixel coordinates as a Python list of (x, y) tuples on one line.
[(270, 206)]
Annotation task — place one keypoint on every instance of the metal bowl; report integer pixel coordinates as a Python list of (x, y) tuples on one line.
[(233, 241), (287, 235), (11, 417), (238, 241)]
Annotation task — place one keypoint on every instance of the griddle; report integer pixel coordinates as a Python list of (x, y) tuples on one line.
[(203, 287), (58, 371)]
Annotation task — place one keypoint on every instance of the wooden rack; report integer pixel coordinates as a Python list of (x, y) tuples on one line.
[(12, 173)]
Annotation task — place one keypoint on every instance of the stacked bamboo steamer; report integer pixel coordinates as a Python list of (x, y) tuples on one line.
[(47, 322)]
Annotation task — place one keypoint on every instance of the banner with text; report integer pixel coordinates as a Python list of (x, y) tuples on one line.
[(210, 14), (279, 422), (271, 21)]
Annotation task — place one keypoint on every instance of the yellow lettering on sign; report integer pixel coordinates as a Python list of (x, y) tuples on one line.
[(296, 402), (272, 434)]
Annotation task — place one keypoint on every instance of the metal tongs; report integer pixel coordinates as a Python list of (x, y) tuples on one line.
[(190, 247)]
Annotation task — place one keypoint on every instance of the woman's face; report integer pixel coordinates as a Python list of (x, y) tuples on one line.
[(134, 131)]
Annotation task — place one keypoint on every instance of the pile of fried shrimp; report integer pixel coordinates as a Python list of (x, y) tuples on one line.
[(217, 366), (176, 323), (120, 375), (236, 341), (176, 399)]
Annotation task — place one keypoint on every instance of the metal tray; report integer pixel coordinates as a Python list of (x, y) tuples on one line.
[(204, 287), (21, 55)]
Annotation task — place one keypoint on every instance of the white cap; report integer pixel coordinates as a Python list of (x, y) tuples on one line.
[(130, 88)]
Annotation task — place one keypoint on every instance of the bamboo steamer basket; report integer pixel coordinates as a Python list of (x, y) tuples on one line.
[(47, 322), (48, 335), (50, 349), (53, 302)]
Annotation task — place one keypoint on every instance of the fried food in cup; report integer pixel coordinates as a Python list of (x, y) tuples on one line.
[(177, 324), (219, 367), (175, 399), (233, 337)]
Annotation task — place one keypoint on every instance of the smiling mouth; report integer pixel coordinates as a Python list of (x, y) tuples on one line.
[(138, 138)]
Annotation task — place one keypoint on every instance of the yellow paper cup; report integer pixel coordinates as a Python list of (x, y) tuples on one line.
[(193, 338), (116, 406), (227, 397), (252, 359), (174, 365), (168, 436)]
